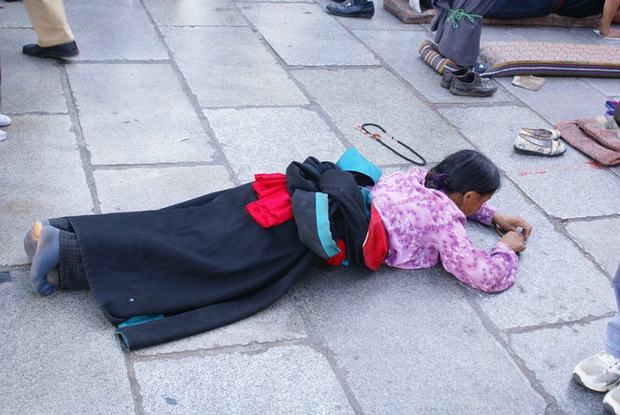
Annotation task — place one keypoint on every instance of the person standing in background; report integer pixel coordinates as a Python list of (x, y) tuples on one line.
[(55, 38)]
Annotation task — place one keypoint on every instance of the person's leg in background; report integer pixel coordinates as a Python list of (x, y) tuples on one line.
[(458, 26), (601, 372), (55, 38)]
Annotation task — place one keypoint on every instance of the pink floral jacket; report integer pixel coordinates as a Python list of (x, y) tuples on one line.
[(425, 226)]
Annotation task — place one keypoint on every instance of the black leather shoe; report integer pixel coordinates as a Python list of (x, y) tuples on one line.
[(353, 8), (471, 85), (66, 50), (448, 76)]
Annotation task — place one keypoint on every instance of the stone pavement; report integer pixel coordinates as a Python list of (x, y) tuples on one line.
[(174, 99)]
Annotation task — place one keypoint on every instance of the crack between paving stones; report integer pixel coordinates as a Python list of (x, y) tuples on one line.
[(79, 134), (319, 344), (134, 385), (30, 113), (559, 324), (254, 347), (118, 61), (108, 167), (530, 375), (193, 100)]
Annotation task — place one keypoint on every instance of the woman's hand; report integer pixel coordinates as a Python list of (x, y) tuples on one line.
[(514, 241), (512, 223)]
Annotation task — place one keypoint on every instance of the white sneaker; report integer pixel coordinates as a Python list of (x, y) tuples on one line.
[(599, 373), (2, 135), (5, 120), (611, 401)]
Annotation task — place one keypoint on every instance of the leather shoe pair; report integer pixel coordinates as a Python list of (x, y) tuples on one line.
[(464, 82), (66, 50), (353, 8)]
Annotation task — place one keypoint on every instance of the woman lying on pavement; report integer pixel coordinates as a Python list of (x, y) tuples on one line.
[(165, 274), (458, 26)]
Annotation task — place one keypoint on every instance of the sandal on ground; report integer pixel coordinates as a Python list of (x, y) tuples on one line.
[(541, 133), (599, 373), (527, 144)]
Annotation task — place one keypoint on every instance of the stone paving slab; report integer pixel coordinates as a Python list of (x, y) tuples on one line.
[(385, 100), (304, 34), (280, 380), (279, 322), (608, 87), (229, 66), (195, 13), (600, 238), (400, 51), (266, 140), (13, 15), (571, 35), (59, 355), (408, 342), (41, 176), (137, 113), (555, 282), (155, 188), (553, 353), (28, 84), (125, 33), (562, 186), (561, 99)]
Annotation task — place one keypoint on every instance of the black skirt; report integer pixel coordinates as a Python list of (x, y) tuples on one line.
[(187, 268)]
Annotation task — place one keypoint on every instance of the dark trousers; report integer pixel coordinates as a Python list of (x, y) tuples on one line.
[(518, 9), (71, 274)]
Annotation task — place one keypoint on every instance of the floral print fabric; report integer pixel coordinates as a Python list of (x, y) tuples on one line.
[(425, 226)]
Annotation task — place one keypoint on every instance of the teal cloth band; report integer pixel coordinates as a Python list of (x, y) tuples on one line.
[(352, 160)]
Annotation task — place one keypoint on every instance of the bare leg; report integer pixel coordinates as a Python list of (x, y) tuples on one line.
[(611, 13)]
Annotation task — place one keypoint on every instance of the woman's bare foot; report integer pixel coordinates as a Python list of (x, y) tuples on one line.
[(45, 259)]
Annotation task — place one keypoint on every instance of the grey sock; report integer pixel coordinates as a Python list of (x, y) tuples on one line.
[(45, 259)]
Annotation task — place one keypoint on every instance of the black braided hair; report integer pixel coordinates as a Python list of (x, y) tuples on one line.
[(465, 171)]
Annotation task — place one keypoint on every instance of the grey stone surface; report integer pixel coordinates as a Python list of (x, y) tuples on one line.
[(59, 355), (155, 188), (566, 186), (386, 100), (41, 176), (382, 20), (28, 84), (279, 322), (229, 66), (117, 29), (267, 140), (600, 238), (497, 34), (555, 282), (568, 35), (400, 51), (13, 15), (609, 87), (552, 100), (304, 34), (195, 13), (136, 113), (408, 342), (243, 383), (553, 353)]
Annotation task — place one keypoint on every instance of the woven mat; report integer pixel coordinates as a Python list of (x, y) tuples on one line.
[(401, 9), (551, 59), (537, 58)]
